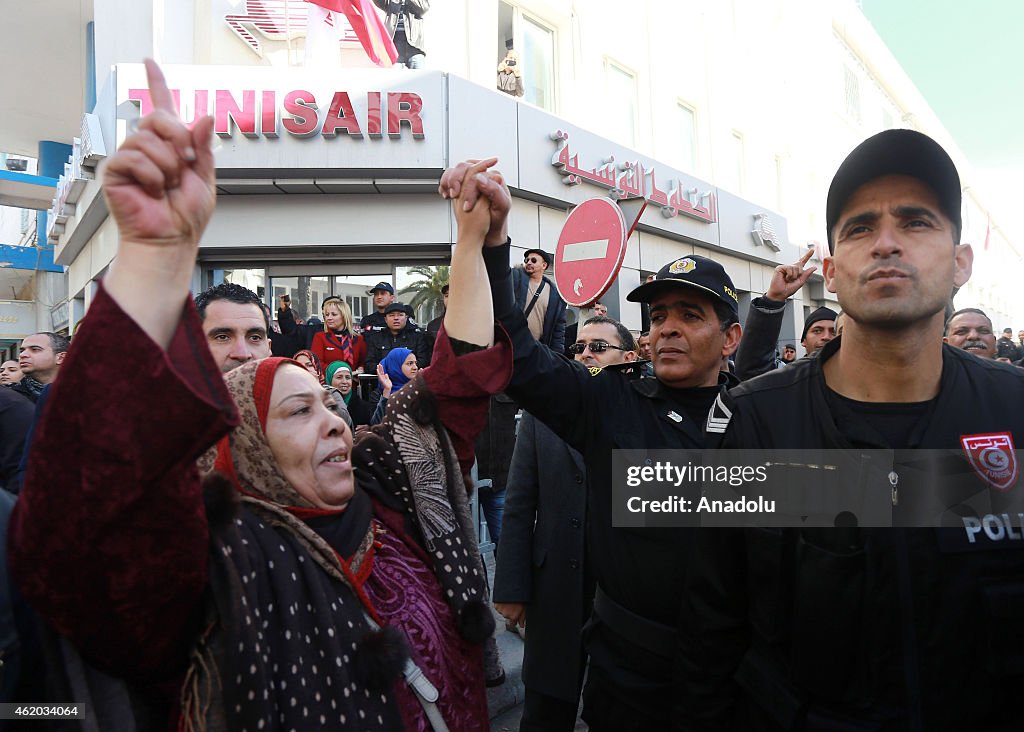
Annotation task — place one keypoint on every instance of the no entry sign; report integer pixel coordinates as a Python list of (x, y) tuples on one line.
[(590, 251)]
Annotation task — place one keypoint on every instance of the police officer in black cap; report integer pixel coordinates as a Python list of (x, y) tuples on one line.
[(397, 333), (871, 628), (694, 323), (383, 294)]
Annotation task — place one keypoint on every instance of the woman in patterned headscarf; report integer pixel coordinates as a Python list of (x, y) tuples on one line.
[(311, 362), (326, 583)]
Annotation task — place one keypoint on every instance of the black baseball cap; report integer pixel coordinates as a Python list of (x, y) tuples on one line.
[(693, 271), (540, 253), (386, 286), (896, 152), (396, 307)]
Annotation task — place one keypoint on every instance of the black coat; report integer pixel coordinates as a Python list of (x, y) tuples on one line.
[(286, 321), (922, 624), (1006, 348), (372, 322), (380, 342), (541, 557), (757, 352), (360, 410), (17, 416)]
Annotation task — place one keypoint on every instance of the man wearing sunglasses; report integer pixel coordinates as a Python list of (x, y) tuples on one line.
[(694, 323), (545, 517), (537, 297)]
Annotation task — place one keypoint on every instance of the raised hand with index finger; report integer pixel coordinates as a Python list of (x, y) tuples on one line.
[(789, 278), (160, 190), (159, 185)]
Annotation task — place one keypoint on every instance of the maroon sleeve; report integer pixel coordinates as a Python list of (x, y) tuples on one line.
[(463, 386), (108, 540)]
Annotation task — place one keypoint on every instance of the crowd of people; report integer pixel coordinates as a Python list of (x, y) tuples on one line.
[(231, 534)]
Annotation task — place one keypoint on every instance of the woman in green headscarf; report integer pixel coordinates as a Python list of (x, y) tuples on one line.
[(339, 375)]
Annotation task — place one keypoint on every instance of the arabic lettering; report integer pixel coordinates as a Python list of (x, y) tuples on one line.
[(631, 179)]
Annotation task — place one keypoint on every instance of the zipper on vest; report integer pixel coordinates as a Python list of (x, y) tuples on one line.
[(894, 479)]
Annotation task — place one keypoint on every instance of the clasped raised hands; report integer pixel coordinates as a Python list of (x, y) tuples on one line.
[(476, 189), (160, 184)]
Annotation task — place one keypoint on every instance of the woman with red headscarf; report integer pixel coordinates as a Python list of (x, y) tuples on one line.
[(326, 582), (311, 362)]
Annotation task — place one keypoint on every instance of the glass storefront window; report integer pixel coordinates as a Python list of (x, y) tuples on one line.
[(253, 279), (307, 293), (353, 289), (420, 286)]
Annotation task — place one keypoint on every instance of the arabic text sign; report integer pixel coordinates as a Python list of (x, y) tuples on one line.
[(590, 251), (632, 179)]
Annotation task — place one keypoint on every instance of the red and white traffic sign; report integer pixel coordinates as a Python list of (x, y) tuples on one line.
[(590, 251)]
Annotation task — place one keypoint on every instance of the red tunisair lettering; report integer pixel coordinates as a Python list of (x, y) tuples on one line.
[(374, 127), (268, 114), (405, 107), (227, 110), (341, 116), (301, 104)]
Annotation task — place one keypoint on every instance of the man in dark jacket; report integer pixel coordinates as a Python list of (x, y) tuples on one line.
[(541, 574), (1006, 348), (40, 359), (383, 294), (694, 323), (399, 333), (861, 628)]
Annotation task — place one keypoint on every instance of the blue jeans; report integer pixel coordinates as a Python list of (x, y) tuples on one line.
[(492, 505)]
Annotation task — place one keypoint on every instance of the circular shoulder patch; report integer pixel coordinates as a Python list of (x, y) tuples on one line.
[(594, 370)]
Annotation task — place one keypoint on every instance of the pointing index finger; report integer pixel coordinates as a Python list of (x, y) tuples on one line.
[(807, 255), (158, 91)]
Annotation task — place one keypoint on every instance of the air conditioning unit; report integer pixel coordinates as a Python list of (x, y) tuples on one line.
[(17, 165)]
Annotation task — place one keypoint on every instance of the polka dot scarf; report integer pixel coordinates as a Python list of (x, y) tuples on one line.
[(286, 634)]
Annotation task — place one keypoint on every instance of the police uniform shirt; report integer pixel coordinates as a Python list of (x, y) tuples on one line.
[(597, 411), (899, 628), (373, 322)]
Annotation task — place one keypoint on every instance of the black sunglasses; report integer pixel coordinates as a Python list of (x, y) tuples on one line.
[(594, 346)]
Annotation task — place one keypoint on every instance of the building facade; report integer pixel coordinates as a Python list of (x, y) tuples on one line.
[(727, 118)]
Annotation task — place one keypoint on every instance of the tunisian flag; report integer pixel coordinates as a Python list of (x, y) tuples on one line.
[(368, 26)]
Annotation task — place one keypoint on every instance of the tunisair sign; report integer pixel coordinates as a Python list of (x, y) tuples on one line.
[(268, 113)]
